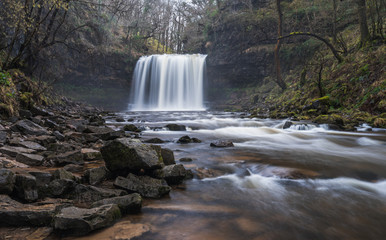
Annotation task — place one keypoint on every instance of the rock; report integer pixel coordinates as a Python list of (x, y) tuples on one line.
[(14, 151), (73, 168), (30, 159), (96, 120), (28, 127), (184, 139), (131, 128), (43, 179), (144, 185), (321, 105), (13, 213), (26, 188), (131, 203), (74, 157), (202, 173), (287, 124), (173, 174), (167, 156), (196, 140), (51, 124), (91, 154), (89, 194), (59, 136), (95, 175), (63, 174), (154, 140), (37, 111), (176, 127), (186, 160), (329, 119), (60, 147), (120, 119), (32, 145), (104, 133), (7, 181), (222, 144), (124, 155), (3, 137), (9, 163), (44, 140), (80, 221), (60, 187), (25, 113)]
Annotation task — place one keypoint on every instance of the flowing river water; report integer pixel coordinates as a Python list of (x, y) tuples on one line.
[(274, 183)]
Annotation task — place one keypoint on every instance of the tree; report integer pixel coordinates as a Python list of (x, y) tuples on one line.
[(362, 17), (279, 79)]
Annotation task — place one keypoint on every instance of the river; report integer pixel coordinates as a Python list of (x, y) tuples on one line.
[(273, 184)]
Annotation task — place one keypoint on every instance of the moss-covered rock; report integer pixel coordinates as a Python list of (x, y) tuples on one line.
[(329, 119), (380, 123)]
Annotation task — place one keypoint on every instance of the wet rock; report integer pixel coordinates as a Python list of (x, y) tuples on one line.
[(120, 119), (222, 144), (173, 174), (287, 124), (28, 127), (176, 127), (196, 140), (202, 173), (91, 154), (14, 151), (184, 139), (144, 185), (96, 120), (167, 156), (30, 159), (7, 181), (330, 119), (25, 113), (131, 203), (59, 136), (125, 155), (131, 128), (26, 188), (154, 140), (32, 145), (73, 157), (186, 160), (80, 221), (89, 194), (13, 213), (95, 175)]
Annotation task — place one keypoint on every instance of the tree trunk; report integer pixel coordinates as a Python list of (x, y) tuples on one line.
[(365, 35), (279, 79)]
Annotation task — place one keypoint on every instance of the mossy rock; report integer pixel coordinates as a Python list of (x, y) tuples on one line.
[(383, 115), (329, 119), (380, 123), (324, 100), (131, 128)]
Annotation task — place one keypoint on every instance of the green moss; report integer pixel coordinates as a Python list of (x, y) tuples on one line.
[(330, 119), (380, 123)]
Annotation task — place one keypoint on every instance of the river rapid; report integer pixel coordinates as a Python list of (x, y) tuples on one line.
[(305, 182)]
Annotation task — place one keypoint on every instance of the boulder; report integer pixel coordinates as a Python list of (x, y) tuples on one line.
[(144, 185), (91, 154), (89, 194), (63, 174), (330, 119), (104, 133), (176, 127), (131, 128), (28, 127), (14, 151), (287, 124), (3, 137), (59, 187), (124, 155), (25, 113), (37, 111), (184, 139), (96, 120), (131, 203), (32, 145), (95, 175), (222, 144), (30, 159), (167, 156), (13, 213), (25, 187), (173, 174), (120, 119), (154, 140), (73, 168), (7, 181), (186, 159), (73, 157), (80, 221)]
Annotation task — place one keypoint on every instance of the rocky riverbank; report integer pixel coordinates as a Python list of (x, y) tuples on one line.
[(63, 172)]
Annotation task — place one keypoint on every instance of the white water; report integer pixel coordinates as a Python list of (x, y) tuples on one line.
[(169, 83)]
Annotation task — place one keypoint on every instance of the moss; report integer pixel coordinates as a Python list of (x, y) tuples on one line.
[(330, 119), (380, 123)]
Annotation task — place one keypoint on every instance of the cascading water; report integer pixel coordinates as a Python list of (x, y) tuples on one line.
[(169, 83)]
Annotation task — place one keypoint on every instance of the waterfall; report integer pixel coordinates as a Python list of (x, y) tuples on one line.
[(169, 82)]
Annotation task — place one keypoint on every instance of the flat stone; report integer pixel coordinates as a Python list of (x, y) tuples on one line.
[(14, 151), (32, 145), (80, 221), (43, 140), (144, 185), (13, 213), (10, 163), (63, 174), (89, 194), (28, 127), (73, 157), (128, 204), (30, 159)]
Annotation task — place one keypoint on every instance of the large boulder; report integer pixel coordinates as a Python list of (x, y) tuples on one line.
[(173, 174), (30, 159), (167, 156), (128, 204), (144, 185), (59, 188), (131, 128), (80, 221), (7, 181), (175, 127), (124, 155), (94, 176), (13, 213), (28, 127), (26, 188)]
